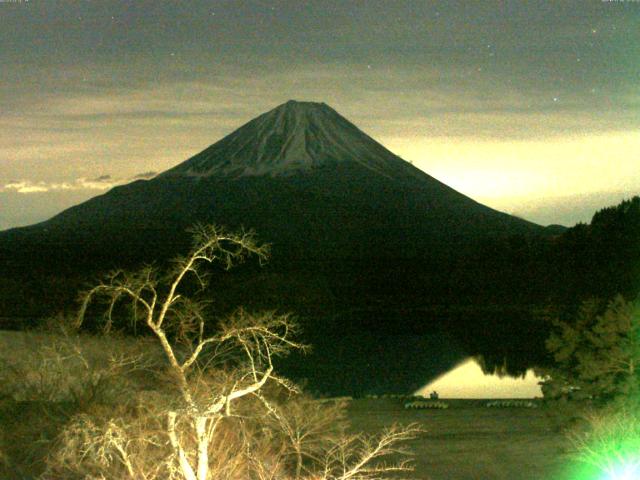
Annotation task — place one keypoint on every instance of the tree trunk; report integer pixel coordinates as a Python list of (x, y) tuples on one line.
[(185, 467), (203, 447)]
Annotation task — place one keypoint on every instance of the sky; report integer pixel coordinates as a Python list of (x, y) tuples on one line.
[(530, 107)]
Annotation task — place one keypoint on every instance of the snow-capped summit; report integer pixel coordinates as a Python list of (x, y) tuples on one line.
[(293, 137)]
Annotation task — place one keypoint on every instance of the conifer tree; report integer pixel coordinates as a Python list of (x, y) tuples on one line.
[(597, 355)]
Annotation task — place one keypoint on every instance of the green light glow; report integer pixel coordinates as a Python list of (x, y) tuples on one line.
[(619, 464), (626, 471), (623, 469), (609, 449)]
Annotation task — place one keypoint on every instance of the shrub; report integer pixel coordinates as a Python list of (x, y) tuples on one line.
[(425, 404), (511, 404), (596, 355), (66, 366)]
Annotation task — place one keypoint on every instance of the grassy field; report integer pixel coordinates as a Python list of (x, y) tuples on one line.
[(469, 441)]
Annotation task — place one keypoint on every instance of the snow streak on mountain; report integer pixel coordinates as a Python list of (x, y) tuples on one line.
[(294, 137)]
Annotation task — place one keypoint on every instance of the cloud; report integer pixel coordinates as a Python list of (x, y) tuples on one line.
[(102, 178), (103, 182), (26, 187), (144, 175)]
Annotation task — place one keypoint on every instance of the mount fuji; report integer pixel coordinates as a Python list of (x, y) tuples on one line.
[(305, 178)]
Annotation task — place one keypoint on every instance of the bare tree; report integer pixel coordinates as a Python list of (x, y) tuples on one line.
[(210, 427), (308, 427), (358, 457), (259, 338)]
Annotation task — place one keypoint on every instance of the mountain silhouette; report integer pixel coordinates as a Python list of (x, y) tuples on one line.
[(361, 239), (301, 175)]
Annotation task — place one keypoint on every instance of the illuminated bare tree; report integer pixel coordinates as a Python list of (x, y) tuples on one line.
[(222, 412), (358, 457), (166, 311)]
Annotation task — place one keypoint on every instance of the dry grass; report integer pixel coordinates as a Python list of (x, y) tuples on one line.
[(64, 367), (74, 409), (464, 442)]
